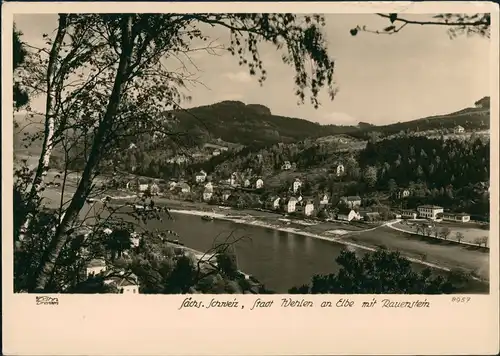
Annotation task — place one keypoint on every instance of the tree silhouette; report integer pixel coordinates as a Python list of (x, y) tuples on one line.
[(445, 232), (130, 90), (19, 54), (117, 242), (380, 272)]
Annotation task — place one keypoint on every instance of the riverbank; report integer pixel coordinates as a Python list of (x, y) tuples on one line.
[(339, 240), (371, 238)]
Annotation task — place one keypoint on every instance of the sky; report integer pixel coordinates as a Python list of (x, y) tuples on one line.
[(381, 79)]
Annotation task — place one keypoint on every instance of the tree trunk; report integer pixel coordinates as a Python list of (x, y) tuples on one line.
[(47, 265), (47, 145)]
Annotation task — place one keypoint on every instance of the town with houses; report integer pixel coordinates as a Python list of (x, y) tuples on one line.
[(348, 208)]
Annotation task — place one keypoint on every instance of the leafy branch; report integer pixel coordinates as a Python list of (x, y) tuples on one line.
[(457, 24)]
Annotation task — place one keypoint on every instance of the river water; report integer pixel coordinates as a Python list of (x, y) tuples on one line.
[(278, 259)]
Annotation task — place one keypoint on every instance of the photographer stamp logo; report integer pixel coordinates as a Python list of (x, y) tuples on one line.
[(47, 301)]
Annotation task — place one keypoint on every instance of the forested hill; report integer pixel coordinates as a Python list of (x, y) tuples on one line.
[(233, 121), (255, 126), (477, 118), (252, 124)]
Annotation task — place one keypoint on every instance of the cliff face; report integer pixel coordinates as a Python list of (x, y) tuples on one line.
[(261, 109)]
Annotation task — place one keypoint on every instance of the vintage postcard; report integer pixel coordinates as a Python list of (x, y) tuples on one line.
[(250, 178)]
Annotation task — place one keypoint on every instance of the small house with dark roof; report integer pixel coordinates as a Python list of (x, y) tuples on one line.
[(124, 284), (346, 214), (371, 216), (461, 217), (408, 214), (321, 202), (351, 201), (182, 188), (273, 202)]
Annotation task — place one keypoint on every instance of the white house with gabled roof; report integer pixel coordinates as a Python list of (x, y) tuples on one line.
[(201, 176), (296, 185), (291, 205)]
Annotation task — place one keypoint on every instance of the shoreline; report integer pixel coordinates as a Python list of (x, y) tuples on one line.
[(337, 240), (337, 237)]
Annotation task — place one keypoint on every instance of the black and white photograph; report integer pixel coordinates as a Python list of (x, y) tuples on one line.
[(202, 176), (251, 153)]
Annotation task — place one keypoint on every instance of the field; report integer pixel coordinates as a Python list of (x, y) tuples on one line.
[(439, 252), (471, 232)]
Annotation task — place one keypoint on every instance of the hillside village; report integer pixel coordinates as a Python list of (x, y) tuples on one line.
[(413, 174)]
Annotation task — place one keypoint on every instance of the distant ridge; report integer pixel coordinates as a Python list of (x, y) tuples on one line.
[(254, 124)]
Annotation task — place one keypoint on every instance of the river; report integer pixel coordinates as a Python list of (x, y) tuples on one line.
[(278, 259)]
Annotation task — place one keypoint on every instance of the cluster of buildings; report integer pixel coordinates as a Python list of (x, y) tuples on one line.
[(157, 186), (297, 204), (434, 212), (215, 149), (126, 284), (338, 167), (142, 185), (236, 180), (347, 211), (458, 129)]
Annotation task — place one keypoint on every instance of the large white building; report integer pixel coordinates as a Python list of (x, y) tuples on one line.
[(429, 211)]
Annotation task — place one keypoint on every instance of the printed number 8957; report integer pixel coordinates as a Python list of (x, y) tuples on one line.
[(460, 299)]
